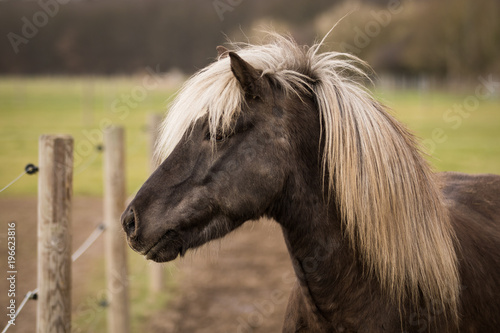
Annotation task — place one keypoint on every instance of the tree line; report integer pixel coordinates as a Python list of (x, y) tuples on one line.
[(441, 38)]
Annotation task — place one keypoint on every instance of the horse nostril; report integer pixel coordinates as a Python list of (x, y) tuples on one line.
[(128, 222)]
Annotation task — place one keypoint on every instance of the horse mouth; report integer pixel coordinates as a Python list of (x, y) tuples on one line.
[(166, 248)]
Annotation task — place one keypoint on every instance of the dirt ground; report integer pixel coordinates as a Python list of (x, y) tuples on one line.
[(242, 288), (87, 214), (238, 284)]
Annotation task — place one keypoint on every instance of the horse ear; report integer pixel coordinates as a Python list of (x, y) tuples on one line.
[(222, 52), (246, 75)]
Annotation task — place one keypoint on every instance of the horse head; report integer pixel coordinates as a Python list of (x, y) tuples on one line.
[(223, 171)]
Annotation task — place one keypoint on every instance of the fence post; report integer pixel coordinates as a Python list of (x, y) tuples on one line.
[(55, 191), (115, 248), (156, 270)]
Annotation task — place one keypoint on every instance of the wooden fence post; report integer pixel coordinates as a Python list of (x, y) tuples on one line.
[(115, 248), (55, 191), (156, 281)]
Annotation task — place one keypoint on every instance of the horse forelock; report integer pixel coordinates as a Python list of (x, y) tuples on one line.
[(389, 201)]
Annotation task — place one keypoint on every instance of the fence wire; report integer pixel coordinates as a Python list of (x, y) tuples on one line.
[(12, 182), (30, 295), (29, 169), (33, 294), (88, 242)]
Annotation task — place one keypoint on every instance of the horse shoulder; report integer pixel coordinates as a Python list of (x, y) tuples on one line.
[(473, 202), (473, 193), (302, 317)]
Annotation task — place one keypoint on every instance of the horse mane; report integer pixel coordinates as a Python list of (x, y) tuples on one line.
[(386, 193)]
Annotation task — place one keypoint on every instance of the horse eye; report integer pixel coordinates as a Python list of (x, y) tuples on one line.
[(219, 137)]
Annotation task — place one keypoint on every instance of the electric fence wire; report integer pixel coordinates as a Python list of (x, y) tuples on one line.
[(33, 294)]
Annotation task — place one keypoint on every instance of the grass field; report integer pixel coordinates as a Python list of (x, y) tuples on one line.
[(82, 107), (461, 131)]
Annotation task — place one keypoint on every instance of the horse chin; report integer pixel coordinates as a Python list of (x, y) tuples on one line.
[(164, 255), (173, 243), (167, 248)]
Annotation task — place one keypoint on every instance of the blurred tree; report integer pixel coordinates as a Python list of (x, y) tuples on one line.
[(448, 38)]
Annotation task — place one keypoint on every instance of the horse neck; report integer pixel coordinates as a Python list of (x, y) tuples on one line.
[(323, 259), (325, 265)]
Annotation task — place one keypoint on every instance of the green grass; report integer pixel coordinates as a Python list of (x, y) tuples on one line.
[(465, 141), (81, 107)]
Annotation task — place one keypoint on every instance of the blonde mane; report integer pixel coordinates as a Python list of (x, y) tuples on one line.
[(386, 193)]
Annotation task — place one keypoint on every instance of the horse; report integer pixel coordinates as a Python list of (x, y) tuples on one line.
[(379, 242)]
